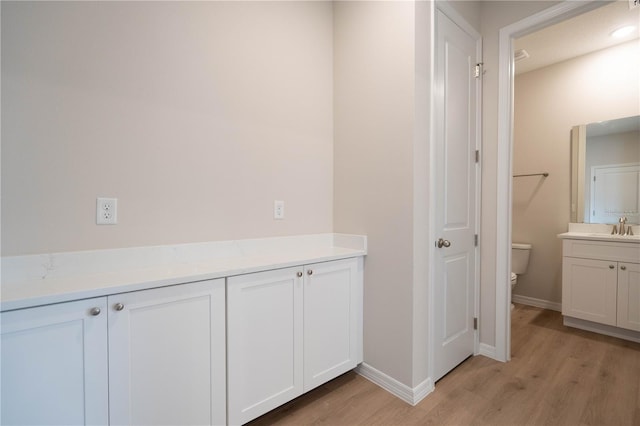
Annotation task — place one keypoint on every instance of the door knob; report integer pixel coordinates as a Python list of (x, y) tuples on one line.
[(624, 268), (118, 306), (95, 311), (443, 243)]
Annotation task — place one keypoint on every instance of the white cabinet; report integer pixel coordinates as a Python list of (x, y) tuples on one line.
[(332, 321), (600, 284), (167, 355), (264, 320), (147, 357), (589, 289), (290, 330), (54, 364), (220, 351), (629, 296)]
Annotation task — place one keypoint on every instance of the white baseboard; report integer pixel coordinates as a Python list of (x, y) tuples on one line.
[(488, 351), (608, 330), (407, 394), (538, 303)]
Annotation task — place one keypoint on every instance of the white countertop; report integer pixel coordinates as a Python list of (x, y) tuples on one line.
[(59, 277), (599, 232), (600, 237)]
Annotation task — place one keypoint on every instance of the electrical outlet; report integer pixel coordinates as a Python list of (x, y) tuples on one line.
[(278, 209), (107, 211)]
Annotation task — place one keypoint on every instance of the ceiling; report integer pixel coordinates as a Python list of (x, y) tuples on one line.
[(621, 125), (577, 36)]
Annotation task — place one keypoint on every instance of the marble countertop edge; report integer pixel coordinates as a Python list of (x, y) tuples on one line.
[(56, 289)]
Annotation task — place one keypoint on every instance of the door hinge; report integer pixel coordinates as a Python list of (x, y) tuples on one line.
[(475, 240), (475, 323), (477, 155), (478, 68)]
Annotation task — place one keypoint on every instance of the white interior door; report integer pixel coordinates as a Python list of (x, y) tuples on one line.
[(455, 195)]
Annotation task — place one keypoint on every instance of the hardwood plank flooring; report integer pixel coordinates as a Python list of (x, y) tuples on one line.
[(557, 376)]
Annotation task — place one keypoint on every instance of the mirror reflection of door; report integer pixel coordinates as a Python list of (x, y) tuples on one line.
[(605, 178), (615, 191)]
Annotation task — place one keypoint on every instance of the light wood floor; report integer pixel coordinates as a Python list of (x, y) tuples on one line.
[(557, 376)]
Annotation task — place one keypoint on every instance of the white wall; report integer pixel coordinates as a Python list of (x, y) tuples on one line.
[(548, 102), (373, 163), (195, 115)]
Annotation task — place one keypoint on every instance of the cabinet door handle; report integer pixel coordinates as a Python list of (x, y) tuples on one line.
[(299, 274), (95, 311), (310, 272), (611, 266), (118, 306), (624, 268)]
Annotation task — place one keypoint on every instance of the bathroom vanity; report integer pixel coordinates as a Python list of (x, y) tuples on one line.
[(601, 281)]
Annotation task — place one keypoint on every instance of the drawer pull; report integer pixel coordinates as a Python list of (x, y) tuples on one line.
[(310, 272), (299, 274), (624, 268), (118, 306), (611, 266), (95, 311)]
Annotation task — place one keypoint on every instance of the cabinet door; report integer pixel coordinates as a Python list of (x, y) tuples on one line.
[(264, 314), (54, 364), (589, 290), (331, 320), (167, 355), (629, 296)]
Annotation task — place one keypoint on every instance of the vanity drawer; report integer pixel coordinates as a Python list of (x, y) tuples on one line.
[(603, 250)]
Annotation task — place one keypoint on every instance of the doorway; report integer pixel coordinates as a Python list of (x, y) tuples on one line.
[(506, 69)]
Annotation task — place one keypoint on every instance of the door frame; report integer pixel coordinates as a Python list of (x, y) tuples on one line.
[(456, 17), (506, 71)]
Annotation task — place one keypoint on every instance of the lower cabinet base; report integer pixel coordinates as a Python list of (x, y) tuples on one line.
[(288, 331), (608, 330)]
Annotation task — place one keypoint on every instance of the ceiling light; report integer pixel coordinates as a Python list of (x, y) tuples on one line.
[(623, 31)]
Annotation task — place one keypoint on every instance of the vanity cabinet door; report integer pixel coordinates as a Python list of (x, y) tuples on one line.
[(167, 355), (589, 290), (264, 342), (331, 320), (290, 330), (54, 364), (629, 296)]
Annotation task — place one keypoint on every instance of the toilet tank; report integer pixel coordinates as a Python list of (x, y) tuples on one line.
[(520, 257)]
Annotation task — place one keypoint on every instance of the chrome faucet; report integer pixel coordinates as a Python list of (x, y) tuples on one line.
[(622, 221)]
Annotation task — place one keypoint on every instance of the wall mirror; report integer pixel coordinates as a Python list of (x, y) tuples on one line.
[(605, 171)]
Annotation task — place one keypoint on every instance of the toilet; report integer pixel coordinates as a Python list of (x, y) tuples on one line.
[(519, 261)]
